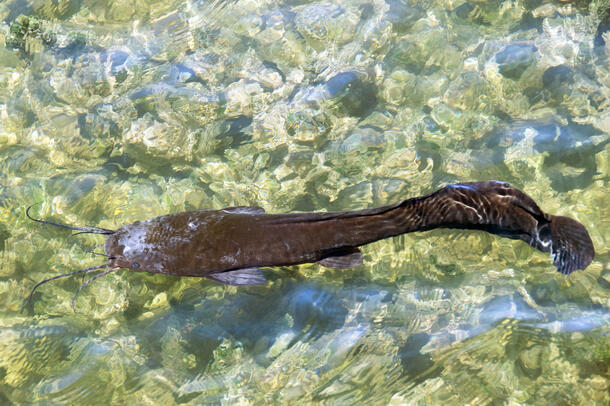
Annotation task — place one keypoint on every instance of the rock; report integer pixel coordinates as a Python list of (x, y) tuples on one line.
[(159, 142), (532, 4), (356, 95), (326, 22), (399, 87), (307, 125), (361, 140), (29, 35), (467, 11), (341, 83), (515, 59), (402, 15), (602, 28), (315, 311), (529, 361), (4, 235), (604, 279), (558, 79), (412, 360), (407, 56), (235, 133)]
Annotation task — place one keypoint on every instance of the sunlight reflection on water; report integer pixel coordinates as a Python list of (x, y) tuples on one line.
[(112, 112)]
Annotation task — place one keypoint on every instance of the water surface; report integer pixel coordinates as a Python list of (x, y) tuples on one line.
[(115, 111)]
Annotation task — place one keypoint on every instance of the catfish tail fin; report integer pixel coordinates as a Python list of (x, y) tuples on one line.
[(571, 247)]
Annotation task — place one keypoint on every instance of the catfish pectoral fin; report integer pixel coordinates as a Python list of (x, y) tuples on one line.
[(239, 277), (571, 247), (343, 259)]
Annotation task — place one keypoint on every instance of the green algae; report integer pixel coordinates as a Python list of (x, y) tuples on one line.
[(27, 34)]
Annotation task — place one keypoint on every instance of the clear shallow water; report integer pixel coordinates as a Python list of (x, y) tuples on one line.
[(112, 112)]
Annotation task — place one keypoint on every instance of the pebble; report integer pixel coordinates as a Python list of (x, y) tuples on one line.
[(515, 59)]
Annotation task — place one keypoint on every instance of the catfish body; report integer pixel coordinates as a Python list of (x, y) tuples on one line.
[(229, 245)]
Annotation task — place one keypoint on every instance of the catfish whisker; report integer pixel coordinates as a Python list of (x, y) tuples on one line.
[(86, 270), (94, 230), (99, 275)]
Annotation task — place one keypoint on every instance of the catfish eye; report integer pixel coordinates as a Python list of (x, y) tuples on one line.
[(135, 265)]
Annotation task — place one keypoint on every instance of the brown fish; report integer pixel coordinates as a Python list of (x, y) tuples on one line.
[(229, 245)]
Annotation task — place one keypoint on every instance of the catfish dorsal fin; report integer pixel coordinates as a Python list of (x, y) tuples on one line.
[(245, 210), (239, 277)]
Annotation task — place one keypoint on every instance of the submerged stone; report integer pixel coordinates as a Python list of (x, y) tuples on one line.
[(357, 96), (515, 59), (4, 235), (602, 28), (529, 361), (412, 360), (558, 79), (341, 83), (402, 15), (307, 126), (467, 11), (29, 35), (323, 22)]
